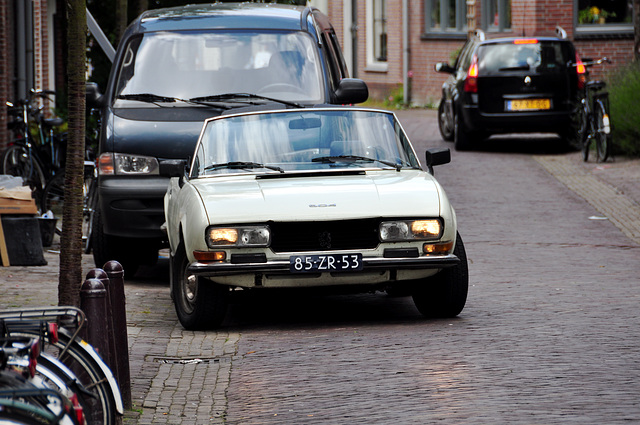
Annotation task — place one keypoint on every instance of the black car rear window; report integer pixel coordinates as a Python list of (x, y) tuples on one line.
[(522, 55)]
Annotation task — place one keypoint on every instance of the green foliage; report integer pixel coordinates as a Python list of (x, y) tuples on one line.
[(395, 98), (624, 87)]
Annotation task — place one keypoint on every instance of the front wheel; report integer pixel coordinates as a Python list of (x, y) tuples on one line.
[(445, 294), (603, 132), (200, 303), (19, 162), (445, 123)]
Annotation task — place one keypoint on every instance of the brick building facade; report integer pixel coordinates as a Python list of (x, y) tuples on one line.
[(434, 30)]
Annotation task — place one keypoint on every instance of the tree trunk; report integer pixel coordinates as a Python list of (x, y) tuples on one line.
[(71, 240)]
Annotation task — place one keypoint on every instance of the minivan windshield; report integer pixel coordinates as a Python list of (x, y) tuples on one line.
[(302, 140), (526, 55), (195, 64)]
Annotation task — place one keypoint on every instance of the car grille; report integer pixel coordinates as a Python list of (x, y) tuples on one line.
[(324, 235)]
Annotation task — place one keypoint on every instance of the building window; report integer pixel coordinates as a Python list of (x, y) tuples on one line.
[(446, 16), (377, 35), (596, 16), (496, 15)]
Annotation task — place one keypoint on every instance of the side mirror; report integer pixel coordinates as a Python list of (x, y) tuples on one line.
[(444, 67), (93, 96), (352, 90), (437, 156)]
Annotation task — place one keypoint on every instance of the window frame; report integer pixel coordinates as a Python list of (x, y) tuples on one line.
[(488, 20), (373, 64), (591, 30), (460, 14)]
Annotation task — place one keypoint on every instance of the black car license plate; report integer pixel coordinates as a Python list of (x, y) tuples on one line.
[(325, 263)]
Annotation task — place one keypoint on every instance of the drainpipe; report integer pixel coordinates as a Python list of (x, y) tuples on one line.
[(407, 51), (21, 77)]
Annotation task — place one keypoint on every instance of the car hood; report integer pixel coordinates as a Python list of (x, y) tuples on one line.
[(407, 193)]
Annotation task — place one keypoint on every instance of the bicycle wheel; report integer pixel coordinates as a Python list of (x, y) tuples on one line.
[(16, 161), (104, 401), (89, 205), (603, 132)]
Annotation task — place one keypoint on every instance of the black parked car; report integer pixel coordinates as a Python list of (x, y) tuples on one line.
[(510, 85), (176, 67)]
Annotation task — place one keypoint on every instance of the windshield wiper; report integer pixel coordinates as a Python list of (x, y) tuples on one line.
[(241, 97), (148, 98), (155, 98), (242, 164), (353, 158)]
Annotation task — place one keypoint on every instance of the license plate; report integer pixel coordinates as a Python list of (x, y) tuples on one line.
[(528, 104), (325, 263)]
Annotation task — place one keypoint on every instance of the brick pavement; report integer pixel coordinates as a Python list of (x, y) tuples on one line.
[(548, 335)]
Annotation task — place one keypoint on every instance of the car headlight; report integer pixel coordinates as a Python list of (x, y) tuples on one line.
[(410, 230), (238, 236), (135, 164)]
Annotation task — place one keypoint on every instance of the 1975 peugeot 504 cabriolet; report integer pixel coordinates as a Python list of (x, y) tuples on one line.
[(331, 197)]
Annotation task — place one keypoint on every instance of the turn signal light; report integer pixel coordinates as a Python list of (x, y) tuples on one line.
[(210, 256), (442, 248)]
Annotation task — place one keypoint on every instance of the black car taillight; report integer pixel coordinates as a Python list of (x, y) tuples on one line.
[(471, 82)]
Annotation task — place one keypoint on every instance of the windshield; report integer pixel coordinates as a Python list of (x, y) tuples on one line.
[(302, 140), (186, 65), (543, 56)]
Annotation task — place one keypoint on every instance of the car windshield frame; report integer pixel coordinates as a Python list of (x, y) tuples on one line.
[(308, 140), (186, 64)]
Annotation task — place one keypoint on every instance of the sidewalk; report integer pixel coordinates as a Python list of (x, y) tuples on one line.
[(613, 188)]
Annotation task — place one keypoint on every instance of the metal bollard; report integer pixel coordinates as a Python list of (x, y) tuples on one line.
[(93, 301), (109, 357), (118, 304)]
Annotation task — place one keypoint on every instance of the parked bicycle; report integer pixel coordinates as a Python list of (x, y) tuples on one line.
[(593, 115), (37, 152), (31, 393), (66, 356)]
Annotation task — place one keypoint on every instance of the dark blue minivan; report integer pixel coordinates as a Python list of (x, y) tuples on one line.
[(176, 67)]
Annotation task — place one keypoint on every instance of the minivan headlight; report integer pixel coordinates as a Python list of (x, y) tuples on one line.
[(238, 236), (135, 164), (410, 230)]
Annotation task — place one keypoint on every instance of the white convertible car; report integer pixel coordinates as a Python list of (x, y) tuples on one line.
[(317, 197)]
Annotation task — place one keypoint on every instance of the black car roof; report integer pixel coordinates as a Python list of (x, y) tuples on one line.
[(224, 15)]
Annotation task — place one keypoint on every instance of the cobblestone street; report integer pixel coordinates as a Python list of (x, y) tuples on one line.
[(549, 333)]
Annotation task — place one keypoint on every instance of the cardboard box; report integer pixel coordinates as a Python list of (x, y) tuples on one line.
[(17, 206)]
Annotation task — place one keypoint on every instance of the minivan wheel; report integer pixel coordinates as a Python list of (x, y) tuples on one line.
[(445, 294), (200, 303), (445, 124), (462, 138), (107, 248)]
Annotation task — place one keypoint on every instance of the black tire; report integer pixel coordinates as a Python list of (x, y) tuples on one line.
[(603, 132), (108, 248), (445, 294), (462, 138), (445, 124), (16, 161), (200, 303)]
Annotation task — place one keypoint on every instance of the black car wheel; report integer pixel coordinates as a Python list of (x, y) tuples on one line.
[(200, 303), (462, 138), (445, 294), (445, 123)]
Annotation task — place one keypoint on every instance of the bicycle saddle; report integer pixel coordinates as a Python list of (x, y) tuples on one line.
[(596, 85)]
